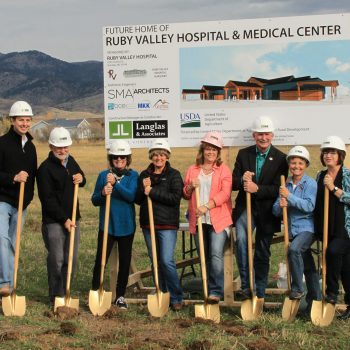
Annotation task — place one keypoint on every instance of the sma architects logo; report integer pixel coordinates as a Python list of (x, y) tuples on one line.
[(190, 120)]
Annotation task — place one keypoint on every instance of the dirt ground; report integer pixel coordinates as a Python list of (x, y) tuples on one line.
[(117, 330)]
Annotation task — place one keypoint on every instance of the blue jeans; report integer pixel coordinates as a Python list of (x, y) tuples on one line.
[(168, 278), (56, 239), (301, 262), (8, 227), (214, 244), (261, 255)]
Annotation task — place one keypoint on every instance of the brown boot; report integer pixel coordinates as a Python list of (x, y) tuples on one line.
[(5, 290)]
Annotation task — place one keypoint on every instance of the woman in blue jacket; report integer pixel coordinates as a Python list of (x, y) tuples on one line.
[(299, 196), (121, 183)]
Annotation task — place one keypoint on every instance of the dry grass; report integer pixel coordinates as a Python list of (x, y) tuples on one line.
[(135, 329)]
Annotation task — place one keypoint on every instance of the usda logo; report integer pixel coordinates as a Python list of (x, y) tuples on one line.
[(190, 120)]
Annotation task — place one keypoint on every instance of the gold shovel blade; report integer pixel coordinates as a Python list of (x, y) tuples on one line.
[(208, 312), (322, 313), (68, 302), (158, 304), (251, 309), (13, 305), (290, 309), (99, 302)]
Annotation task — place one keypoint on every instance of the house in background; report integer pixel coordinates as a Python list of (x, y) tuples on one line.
[(79, 128)]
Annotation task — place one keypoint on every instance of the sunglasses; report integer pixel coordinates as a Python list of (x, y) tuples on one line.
[(118, 157), (330, 152)]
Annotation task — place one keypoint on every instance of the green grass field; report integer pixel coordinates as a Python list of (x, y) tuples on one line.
[(135, 329)]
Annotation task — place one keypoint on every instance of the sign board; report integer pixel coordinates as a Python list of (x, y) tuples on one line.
[(178, 81)]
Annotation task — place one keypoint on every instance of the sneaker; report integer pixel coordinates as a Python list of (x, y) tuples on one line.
[(176, 306), (213, 299), (294, 295), (121, 303), (5, 290)]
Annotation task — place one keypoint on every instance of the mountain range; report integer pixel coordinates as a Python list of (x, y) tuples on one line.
[(46, 82)]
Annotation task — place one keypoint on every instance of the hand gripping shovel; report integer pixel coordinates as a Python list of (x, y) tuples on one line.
[(206, 311), (67, 300), (252, 308), (290, 307), (158, 304), (13, 305), (322, 313), (99, 300)]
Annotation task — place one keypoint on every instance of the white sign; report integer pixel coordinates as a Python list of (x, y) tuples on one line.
[(180, 80)]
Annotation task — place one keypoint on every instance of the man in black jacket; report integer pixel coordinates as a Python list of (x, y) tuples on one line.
[(57, 176), (18, 163), (257, 170)]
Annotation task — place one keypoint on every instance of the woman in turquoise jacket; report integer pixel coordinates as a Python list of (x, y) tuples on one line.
[(121, 183)]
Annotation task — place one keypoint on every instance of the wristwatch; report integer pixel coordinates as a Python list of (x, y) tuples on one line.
[(335, 189)]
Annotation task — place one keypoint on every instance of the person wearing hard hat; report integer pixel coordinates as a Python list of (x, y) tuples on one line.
[(163, 184), (257, 170), (120, 182), (57, 176), (18, 163), (215, 183), (336, 177), (299, 196)]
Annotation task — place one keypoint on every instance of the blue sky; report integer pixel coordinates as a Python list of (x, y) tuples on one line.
[(328, 60)]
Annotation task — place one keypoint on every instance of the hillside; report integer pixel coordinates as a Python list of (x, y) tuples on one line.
[(47, 82)]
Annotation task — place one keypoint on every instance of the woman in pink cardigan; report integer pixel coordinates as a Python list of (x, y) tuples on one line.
[(215, 182)]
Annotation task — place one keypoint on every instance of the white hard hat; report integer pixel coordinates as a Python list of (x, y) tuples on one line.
[(214, 138), (263, 124), (160, 144), (60, 137), (21, 109), (333, 142), (299, 151), (120, 148)]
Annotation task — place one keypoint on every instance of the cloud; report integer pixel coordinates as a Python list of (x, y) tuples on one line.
[(255, 61), (337, 65)]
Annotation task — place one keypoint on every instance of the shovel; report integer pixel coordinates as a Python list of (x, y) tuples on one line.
[(158, 304), (290, 307), (67, 300), (14, 305), (252, 308), (99, 300), (322, 313), (206, 311)]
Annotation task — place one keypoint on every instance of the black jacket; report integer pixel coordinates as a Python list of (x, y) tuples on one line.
[(56, 189), (166, 195), (13, 159), (269, 181)]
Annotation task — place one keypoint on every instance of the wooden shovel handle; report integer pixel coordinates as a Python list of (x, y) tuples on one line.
[(71, 240), (250, 239), (153, 242), (325, 238), (201, 247), (105, 238), (18, 232), (286, 233)]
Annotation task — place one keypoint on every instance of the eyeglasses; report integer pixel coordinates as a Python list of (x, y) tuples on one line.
[(331, 153), (118, 157)]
